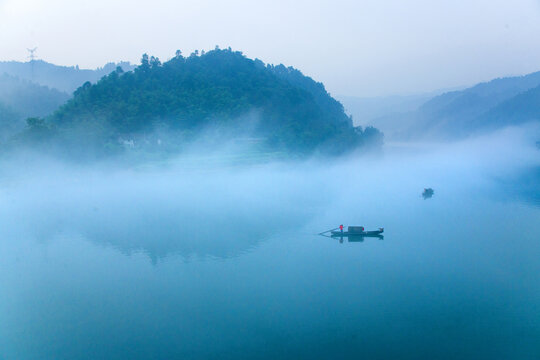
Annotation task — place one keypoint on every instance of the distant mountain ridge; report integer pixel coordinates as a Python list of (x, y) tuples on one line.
[(485, 106), (63, 78), (20, 99), (374, 111), (29, 99), (518, 109)]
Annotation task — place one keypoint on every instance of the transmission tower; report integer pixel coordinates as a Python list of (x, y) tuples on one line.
[(32, 58)]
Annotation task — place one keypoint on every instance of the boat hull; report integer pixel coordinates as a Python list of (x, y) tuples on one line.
[(375, 233)]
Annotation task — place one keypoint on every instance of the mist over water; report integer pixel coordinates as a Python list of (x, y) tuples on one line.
[(206, 256)]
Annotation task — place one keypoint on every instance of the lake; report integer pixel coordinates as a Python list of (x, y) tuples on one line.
[(224, 261)]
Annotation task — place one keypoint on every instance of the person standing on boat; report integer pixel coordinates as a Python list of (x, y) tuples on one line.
[(341, 228)]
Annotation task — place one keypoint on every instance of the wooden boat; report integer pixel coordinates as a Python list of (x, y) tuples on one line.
[(357, 231), (428, 193)]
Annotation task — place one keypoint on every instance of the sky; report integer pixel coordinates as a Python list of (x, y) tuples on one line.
[(356, 48)]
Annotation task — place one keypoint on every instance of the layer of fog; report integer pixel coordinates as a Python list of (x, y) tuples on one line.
[(201, 205)]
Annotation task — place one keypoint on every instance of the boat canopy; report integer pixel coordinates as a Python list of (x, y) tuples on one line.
[(355, 229)]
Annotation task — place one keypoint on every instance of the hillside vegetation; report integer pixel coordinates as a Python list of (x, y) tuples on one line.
[(167, 105)]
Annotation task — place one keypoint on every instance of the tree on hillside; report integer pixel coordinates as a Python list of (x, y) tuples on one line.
[(215, 89)]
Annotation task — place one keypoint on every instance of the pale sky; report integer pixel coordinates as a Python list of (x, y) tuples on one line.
[(357, 48)]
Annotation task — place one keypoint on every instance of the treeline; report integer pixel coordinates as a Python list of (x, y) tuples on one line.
[(277, 107), (164, 107)]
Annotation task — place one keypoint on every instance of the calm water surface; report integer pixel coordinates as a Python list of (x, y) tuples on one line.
[(227, 264)]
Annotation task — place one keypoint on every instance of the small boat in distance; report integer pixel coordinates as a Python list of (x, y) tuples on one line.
[(428, 193), (357, 231)]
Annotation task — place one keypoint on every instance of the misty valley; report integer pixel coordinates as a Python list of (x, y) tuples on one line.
[(173, 210)]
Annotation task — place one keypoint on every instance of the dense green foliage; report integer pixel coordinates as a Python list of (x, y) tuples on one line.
[(222, 89)]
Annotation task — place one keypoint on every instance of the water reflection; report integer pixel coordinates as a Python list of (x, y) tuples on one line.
[(459, 278), (523, 186), (188, 236), (193, 214), (352, 238), (362, 238), (160, 232)]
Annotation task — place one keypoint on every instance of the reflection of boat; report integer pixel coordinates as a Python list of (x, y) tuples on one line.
[(358, 238), (357, 231)]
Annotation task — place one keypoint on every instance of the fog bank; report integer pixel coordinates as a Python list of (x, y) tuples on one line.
[(193, 204)]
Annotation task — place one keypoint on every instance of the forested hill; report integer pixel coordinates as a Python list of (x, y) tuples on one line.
[(219, 88)]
